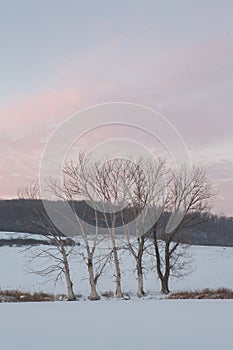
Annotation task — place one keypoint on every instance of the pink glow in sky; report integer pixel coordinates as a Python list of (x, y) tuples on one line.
[(175, 59)]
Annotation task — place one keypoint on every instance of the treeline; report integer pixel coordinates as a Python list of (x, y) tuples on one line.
[(20, 215), (139, 206)]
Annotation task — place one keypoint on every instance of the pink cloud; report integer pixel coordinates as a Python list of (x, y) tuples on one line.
[(191, 86), (47, 107), (25, 127)]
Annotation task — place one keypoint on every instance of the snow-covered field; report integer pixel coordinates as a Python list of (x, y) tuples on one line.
[(118, 324), (115, 325), (212, 268)]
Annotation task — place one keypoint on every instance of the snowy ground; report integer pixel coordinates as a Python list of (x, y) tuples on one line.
[(115, 325), (212, 269), (118, 324)]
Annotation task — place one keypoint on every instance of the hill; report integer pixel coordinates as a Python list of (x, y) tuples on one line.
[(20, 215)]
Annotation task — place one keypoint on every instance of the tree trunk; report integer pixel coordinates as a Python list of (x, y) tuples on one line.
[(118, 292), (164, 284), (140, 292), (163, 277), (69, 284), (165, 288), (70, 292), (141, 242), (94, 295), (118, 273)]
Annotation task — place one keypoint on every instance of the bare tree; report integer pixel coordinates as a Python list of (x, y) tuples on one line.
[(104, 193), (147, 179), (32, 191), (59, 248), (189, 195), (76, 185), (109, 192)]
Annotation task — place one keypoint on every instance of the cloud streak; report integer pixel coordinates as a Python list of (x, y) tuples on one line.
[(191, 86)]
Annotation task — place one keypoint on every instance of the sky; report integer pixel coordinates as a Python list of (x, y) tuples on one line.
[(58, 57)]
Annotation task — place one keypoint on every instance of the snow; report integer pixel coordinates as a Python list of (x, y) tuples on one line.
[(212, 269), (22, 235), (135, 324), (118, 324)]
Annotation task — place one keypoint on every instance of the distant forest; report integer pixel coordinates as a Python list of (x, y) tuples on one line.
[(20, 215)]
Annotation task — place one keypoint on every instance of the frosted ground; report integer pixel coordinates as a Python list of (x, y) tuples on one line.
[(118, 324), (212, 268)]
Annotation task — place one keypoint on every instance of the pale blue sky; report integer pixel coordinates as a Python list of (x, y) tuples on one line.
[(59, 56), (38, 36)]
